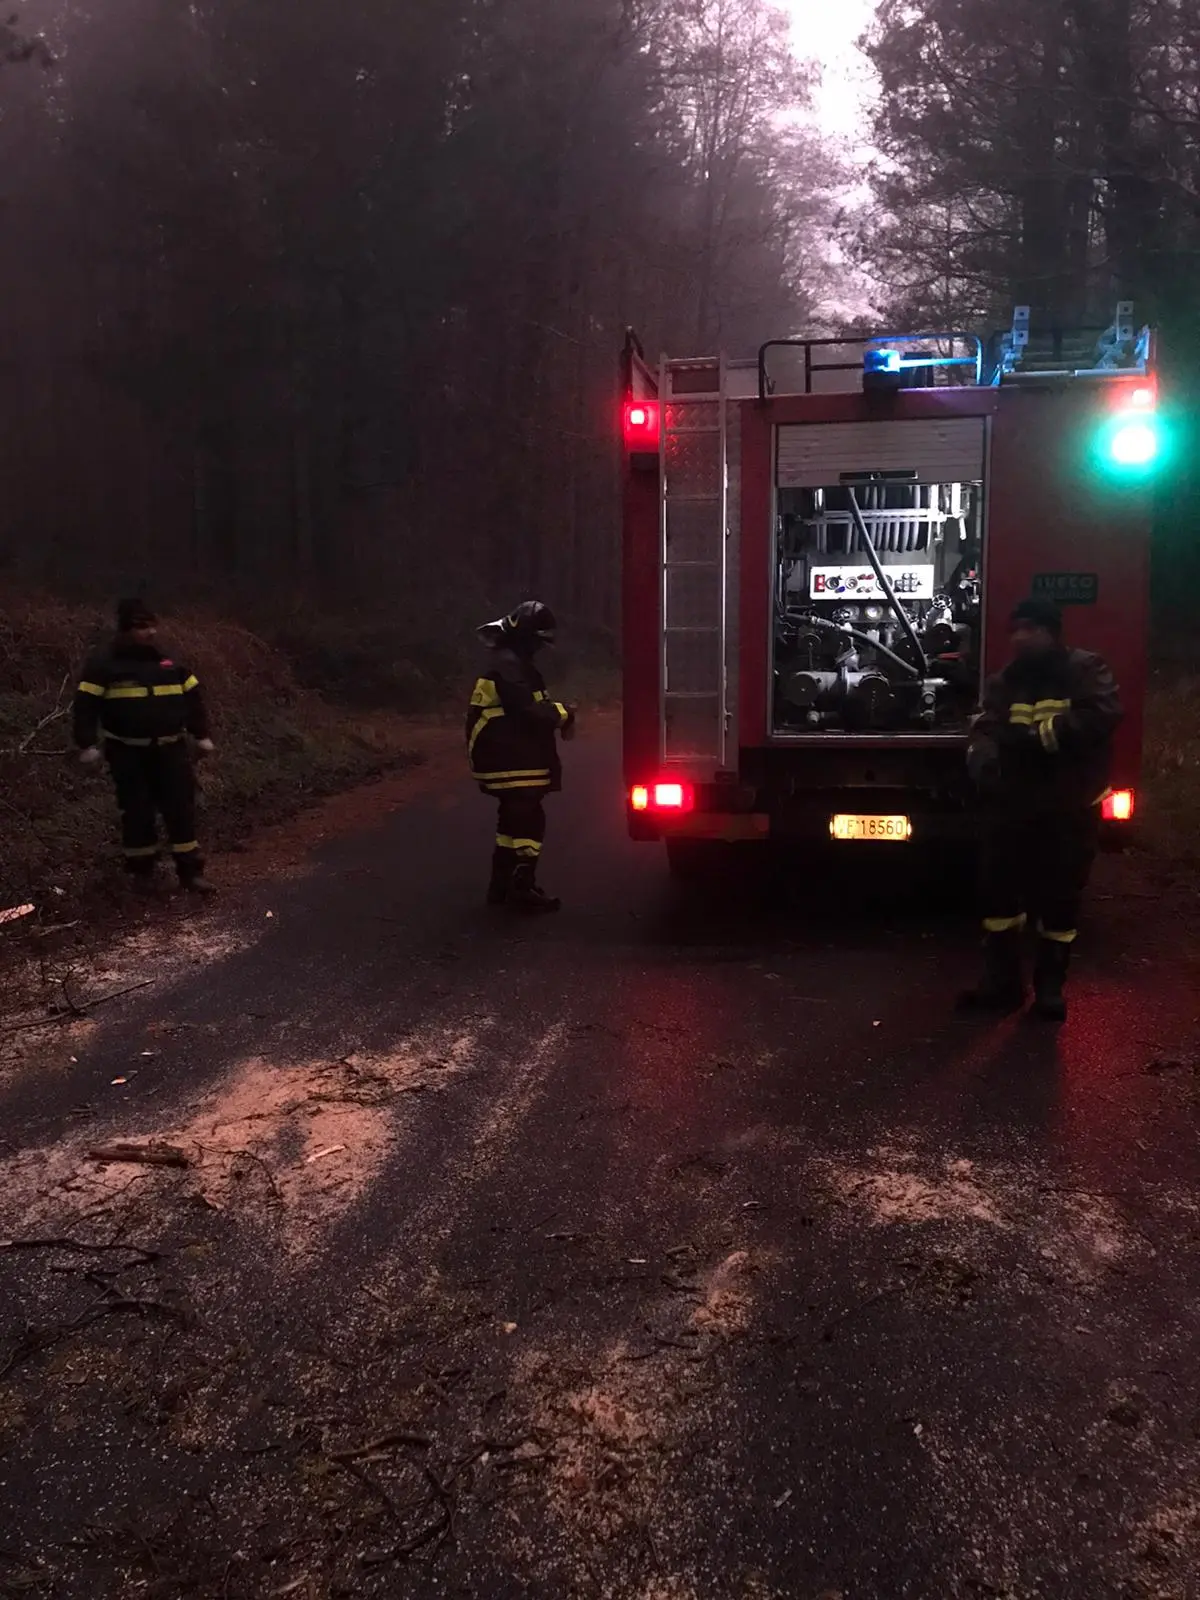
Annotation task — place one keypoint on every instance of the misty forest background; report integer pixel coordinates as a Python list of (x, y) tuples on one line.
[(308, 307)]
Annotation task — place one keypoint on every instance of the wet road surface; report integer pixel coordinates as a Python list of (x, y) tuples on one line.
[(664, 1250)]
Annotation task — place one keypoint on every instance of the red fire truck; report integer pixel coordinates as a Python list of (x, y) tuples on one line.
[(822, 547)]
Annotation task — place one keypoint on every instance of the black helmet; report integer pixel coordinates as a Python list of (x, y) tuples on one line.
[(134, 614), (1038, 612), (525, 630)]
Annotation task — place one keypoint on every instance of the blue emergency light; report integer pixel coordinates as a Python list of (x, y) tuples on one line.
[(881, 361)]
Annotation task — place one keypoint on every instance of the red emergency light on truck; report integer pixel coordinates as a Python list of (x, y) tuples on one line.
[(822, 548)]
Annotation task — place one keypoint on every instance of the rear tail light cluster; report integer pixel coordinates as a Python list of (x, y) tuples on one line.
[(642, 425), (1118, 806), (1132, 434), (674, 798)]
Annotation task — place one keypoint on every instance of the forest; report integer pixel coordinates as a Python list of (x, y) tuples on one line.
[(308, 301), (301, 304), (1047, 152)]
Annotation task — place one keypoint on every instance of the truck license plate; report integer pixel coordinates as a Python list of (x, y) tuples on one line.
[(895, 830)]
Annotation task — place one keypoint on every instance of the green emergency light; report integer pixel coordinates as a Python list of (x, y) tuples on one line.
[(1131, 442)]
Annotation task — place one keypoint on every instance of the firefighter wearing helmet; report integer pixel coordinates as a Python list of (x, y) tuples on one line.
[(512, 747), (136, 709), (1039, 752)]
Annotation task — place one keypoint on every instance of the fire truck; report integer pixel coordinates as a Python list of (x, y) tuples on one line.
[(822, 546)]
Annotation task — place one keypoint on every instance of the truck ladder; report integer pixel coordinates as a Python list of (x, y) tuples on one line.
[(695, 561)]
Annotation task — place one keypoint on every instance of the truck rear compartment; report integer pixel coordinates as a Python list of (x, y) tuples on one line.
[(878, 578)]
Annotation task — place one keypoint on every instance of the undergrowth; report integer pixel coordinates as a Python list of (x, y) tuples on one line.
[(280, 744), (1171, 823)]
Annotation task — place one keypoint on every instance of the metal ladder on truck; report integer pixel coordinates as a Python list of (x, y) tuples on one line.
[(701, 455)]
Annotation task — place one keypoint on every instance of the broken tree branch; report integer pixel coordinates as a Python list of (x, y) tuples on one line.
[(151, 1153)]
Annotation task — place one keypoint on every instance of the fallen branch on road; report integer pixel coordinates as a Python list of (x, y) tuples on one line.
[(389, 1441), (150, 1153), (75, 1012), (145, 1257), (36, 1340)]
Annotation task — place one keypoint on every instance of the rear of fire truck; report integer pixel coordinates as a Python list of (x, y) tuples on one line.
[(821, 551)]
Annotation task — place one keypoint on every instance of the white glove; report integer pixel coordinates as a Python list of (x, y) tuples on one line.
[(205, 746), (90, 756)]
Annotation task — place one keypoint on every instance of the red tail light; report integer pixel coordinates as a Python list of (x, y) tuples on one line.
[(676, 797), (642, 421), (1118, 806), (672, 797)]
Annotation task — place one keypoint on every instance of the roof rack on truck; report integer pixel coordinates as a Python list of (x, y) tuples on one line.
[(1019, 354)]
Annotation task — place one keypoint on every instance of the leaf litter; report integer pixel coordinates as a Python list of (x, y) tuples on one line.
[(291, 1144)]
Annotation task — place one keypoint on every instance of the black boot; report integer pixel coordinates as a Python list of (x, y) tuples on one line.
[(1049, 974), (1002, 987), (196, 883), (190, 872), (503, 863), (525, 895)]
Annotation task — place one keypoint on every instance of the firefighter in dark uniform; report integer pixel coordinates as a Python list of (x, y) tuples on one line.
[(135, 707), (1039, 751), (512, 747)]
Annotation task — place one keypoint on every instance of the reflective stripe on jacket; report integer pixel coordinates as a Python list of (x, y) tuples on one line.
[(512, 726), (133, 694), (1047, 723)]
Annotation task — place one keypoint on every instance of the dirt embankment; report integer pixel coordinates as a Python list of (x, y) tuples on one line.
[(281, 745)]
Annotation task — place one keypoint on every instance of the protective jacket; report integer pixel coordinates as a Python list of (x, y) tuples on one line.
[(134, 695), (512, 727), (1043, 739)]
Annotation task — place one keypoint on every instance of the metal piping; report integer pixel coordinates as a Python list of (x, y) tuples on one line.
[(848, 632), (885, 583)]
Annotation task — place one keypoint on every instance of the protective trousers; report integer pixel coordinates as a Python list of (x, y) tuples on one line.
[(520, 828), (151, 782), (1037, 866)]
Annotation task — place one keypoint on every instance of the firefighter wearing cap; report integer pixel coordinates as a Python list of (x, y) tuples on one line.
[(512, 747), (1039, 752), (135, 707)]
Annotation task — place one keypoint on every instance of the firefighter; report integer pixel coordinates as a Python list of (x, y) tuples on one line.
[(135, 708), (512, 748), (1039, 752)]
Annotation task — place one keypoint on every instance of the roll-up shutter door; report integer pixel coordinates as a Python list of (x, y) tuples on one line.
[(816, 455)]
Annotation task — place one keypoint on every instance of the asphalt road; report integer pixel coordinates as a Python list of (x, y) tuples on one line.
[(664, 1250)]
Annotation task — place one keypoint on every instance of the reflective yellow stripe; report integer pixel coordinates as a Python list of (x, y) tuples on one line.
[(539, 694), (520, 783), (1059, 938), (182, 849), (136, 852), (484, 718), (137, 692), (527, 847), (497, 777), (141, 744), (1003, 924), (92, 688), (190, 683), (506, 841), (1024, 715), (563, 713), (1048, 735), (484, 693), (168, 688)]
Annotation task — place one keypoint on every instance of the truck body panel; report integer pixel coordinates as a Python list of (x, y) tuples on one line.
[(866, 528)]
